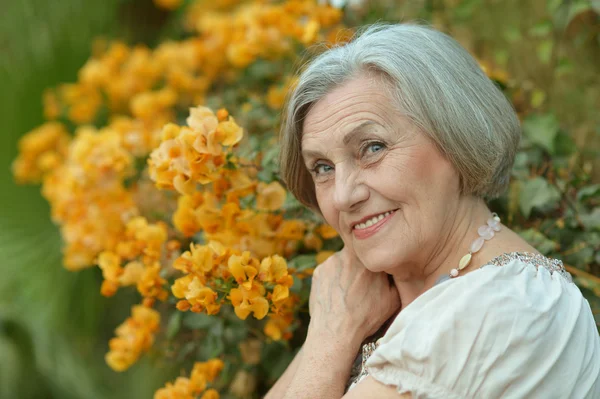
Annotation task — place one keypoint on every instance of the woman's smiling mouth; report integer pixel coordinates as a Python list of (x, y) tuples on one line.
[(367, 228)]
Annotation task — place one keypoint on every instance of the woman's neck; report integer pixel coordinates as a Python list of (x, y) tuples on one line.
[(459, 231)]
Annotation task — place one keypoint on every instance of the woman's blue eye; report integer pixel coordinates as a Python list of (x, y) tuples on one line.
[(322, 168), (375, 147)]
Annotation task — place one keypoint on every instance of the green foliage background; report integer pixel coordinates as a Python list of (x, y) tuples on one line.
[(54, 326)]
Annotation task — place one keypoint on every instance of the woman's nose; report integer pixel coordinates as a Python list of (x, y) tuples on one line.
[(350, 192)]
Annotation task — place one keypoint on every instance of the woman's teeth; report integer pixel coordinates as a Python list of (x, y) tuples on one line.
[(371, 221)]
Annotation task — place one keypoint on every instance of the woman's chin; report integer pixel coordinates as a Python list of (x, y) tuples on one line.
[(375, 266)]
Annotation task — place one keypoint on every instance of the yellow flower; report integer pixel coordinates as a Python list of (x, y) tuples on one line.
[(179, 390), (277, 327), (208, 370), (270, 197), (201, 297), (184, 218), (151, 285), (311, 241), (243, 268), (210, 394), (311, 30), (229, 133), (246, 301), (110, 264), (272, 268), (202, 120), (132, 273), (292, 230), (190, 388), (276, 97), (40, 151), (326, 231), (134, 337), (180, 286)]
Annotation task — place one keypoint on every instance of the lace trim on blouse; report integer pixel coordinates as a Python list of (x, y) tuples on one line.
[(359, 370)]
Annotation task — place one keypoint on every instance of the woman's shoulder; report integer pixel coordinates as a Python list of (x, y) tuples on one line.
[(515, 325)]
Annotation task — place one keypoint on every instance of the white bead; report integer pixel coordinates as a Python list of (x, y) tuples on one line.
[(490, 234), (494, 224), (496, 218), (484, 230), (454, 272), (476, 245)]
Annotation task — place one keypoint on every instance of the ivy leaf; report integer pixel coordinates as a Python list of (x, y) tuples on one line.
[(542, 130), (537, 193)]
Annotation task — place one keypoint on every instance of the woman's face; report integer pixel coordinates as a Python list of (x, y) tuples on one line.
[(379, 181)]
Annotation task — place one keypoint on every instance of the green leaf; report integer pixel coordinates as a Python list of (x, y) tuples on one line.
[(564, 145), (553, 5), (537, 193), (512, 34), (466, 8), (539, 241), (588, 192), (544, 51), (198, 321), (591, 221), (541, 29), (303, 262), (542, 130), (174, 325)]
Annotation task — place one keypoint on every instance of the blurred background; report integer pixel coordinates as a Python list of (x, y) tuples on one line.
[(54, 325)]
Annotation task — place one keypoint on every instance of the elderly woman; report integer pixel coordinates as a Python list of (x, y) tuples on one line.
[(396, 139)]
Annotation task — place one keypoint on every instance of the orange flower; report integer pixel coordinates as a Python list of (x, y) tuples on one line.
[(201, 297), (179, 390), (40, 151), (199, 259), (272, 269), (202, 120), (151, 285), (184, 218), (270, 197), (134, 337), (246, 301), (292, 230), (190, 388), (243, 268), (229, 133), (326, 231)]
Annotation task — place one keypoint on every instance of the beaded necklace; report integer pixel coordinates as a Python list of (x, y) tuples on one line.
[(486, 232)]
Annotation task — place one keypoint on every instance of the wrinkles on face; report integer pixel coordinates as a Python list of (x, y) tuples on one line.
[(366, 159)]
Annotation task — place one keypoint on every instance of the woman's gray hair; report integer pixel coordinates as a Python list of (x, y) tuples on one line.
[(435, 82)]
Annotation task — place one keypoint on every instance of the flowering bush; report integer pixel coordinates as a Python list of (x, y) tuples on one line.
[(152, 180)]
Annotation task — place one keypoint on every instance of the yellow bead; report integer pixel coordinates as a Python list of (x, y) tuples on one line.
[(464, 261)]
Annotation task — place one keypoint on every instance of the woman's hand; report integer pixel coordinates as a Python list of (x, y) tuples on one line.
[(348, 301)]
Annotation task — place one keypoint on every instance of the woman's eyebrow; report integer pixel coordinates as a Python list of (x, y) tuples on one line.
[(354, 136)]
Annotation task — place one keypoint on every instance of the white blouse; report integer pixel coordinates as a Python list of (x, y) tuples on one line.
[(515, 328)]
